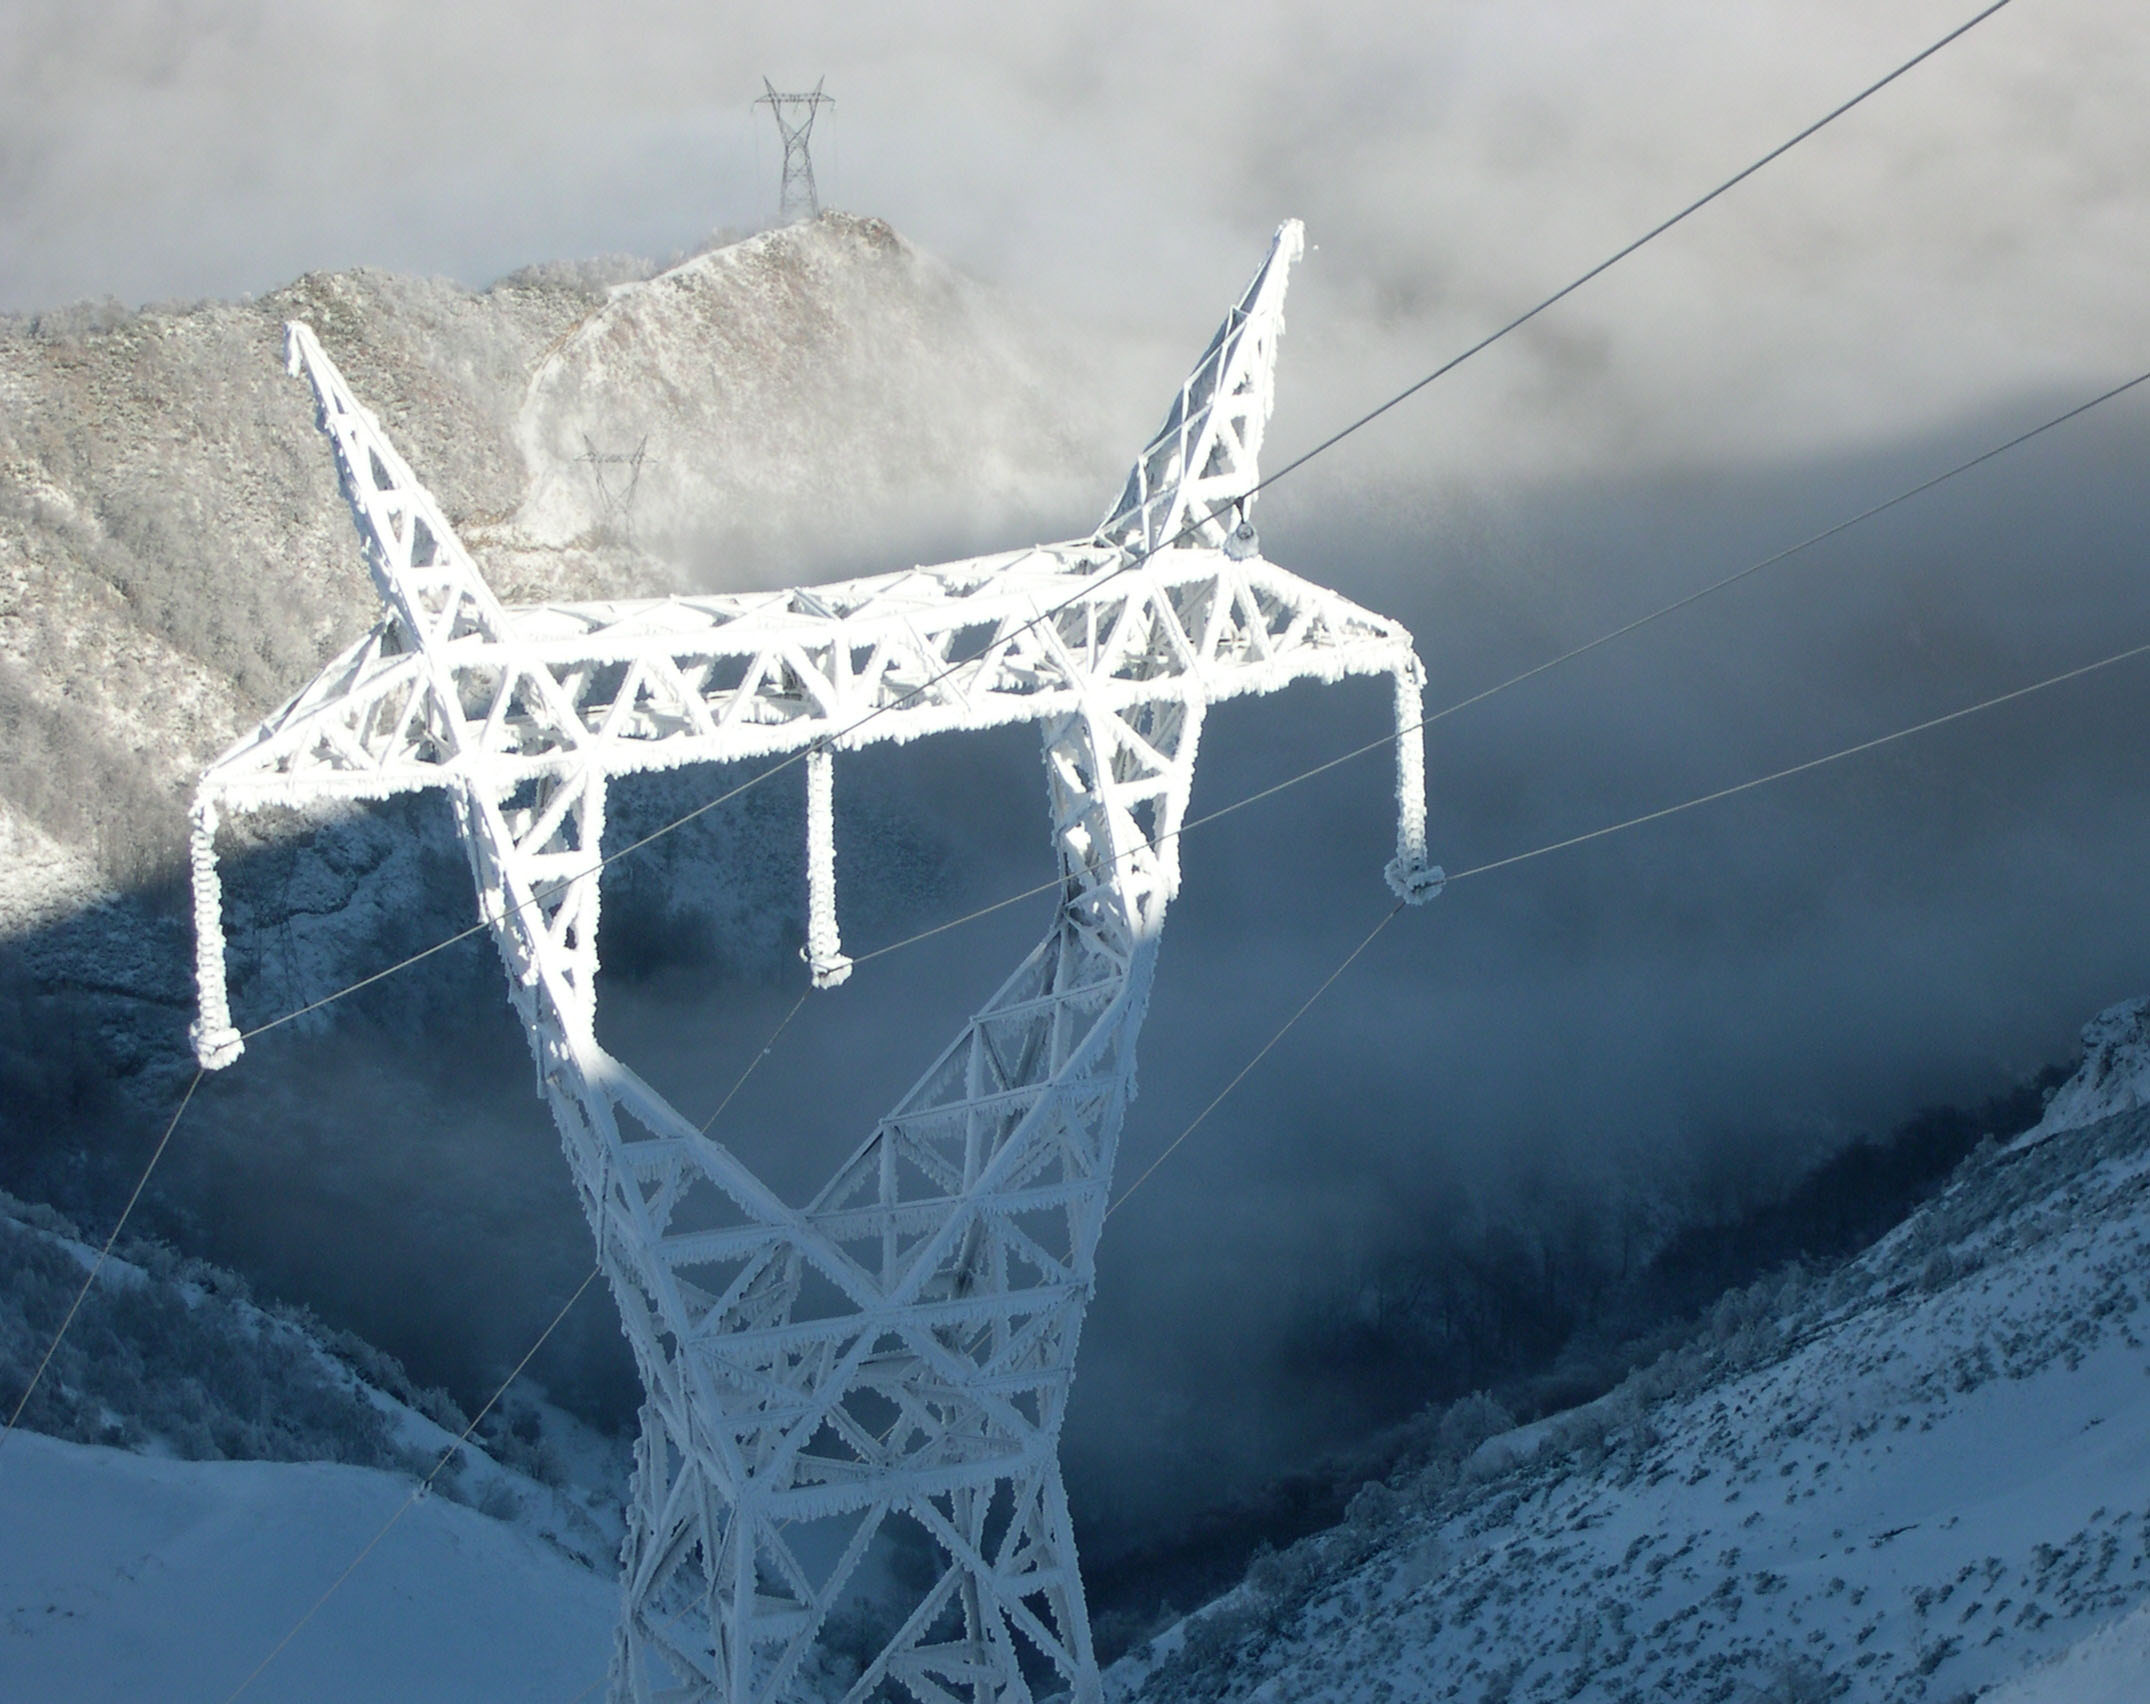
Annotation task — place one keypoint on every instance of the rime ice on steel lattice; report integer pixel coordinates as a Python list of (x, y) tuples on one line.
[(896, 1353)]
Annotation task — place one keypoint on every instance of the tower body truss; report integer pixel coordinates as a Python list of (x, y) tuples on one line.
[(889, 1362)]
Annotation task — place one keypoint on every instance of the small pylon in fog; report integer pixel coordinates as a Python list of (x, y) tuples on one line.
[(798, 199)]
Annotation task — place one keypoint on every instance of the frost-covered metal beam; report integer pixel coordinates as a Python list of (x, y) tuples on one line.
[(1195, 480), (896, 1355), (672, 681)]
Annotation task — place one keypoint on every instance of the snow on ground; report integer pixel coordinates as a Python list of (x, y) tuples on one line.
[(2112, 1666), (132, 1574), (124, 1577), (1910, 1480)]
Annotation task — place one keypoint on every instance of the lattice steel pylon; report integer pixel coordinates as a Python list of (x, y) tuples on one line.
[(897, 1353), (798, 199)]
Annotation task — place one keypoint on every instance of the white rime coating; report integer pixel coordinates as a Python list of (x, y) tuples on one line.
[(824, 950), (1412, 877), (216, 1042), (902, 1347)]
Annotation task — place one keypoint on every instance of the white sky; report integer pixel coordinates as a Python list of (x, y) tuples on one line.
[(1973, 234)]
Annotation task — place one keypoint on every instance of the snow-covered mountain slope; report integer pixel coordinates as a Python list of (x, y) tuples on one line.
[(1912, 1479), (2110, 1666), (261, 1454), (803, 405), (126, 1578), (170, 1357), (173, 555), (2113, 1078)]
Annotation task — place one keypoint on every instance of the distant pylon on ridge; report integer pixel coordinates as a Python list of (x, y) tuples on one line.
[(799, 199)]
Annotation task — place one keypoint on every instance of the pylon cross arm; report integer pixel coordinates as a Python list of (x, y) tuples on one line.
[(892, 1359)]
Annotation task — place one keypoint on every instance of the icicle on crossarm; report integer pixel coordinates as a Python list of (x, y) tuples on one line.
[(216, 1041), (823, 951)]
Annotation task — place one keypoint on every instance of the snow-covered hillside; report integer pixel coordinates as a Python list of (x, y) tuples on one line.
[(126, 1578), (1913, 1478), (261, 1454), (171, 1357), (174, 558), (2114, 1077), (2108, 1667)]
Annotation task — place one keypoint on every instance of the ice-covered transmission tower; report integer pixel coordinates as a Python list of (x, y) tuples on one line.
[(890, 1361), (799, 199)]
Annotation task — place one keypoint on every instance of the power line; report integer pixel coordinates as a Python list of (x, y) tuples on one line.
[(1791, 550), (1513, 859), (1811, 763), (1651, 235), (754, 1063), (1261, 1053), (103, 1254)]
